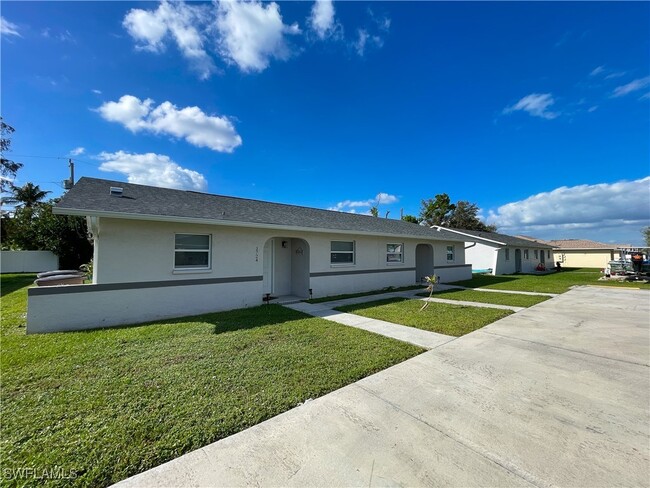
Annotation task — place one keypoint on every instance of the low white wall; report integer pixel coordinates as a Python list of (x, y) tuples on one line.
[(28, 261), (341, 283), (79, 307), (449, 274)]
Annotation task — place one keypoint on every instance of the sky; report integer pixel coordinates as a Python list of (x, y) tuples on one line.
[(538, 112)]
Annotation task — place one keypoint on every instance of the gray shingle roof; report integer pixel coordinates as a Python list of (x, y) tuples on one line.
[(504, 238), (91, 196)]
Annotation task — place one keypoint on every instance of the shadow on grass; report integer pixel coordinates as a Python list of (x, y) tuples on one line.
[(376, 303), (484, 280), (229, 321), (11, 283)]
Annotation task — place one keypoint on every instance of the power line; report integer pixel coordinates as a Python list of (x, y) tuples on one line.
[(76, 160)]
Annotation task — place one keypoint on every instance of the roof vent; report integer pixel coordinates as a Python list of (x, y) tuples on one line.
[(117, 191)]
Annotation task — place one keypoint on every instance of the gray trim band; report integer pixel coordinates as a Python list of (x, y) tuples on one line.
[(61, 290), (453, 266), (355, 272)]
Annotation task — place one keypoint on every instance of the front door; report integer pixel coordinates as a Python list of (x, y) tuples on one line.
[(542, 258), (517, 260)]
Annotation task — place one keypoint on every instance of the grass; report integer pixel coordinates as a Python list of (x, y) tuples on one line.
[(454, 320), (107, 404), (511, 299), (550, 283), (390, 289)]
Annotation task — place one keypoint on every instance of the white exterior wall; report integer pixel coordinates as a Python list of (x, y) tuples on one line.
[(484, 256), (134, 268), (131, 251), (79, 307), (481, 256), (28, 261)]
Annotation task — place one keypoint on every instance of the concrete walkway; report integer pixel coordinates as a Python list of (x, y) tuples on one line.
[(490, 290), (556, 395), (413, 335), (419, 337)]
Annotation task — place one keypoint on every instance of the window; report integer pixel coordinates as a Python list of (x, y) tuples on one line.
[(394, 253), (342, 252), (525, 253), (192, 251), (450, 253), (548, 254), (507, 254), (536, 254)]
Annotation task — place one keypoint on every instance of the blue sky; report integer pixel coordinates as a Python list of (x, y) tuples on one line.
[(538, 112)]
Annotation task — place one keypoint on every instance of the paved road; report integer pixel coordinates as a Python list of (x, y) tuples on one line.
[(556, 395)]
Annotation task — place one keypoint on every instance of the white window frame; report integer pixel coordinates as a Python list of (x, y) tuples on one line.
[(526, 254), (536, 252), (507, 254), (400, 254), (353, 252), (451, 250), (194, 269), (548, 254)]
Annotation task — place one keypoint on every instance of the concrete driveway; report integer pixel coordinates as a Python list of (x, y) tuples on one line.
[(556, 395)]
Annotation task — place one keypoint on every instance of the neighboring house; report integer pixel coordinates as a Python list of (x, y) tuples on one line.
[(163, 253), (583, 253), (503, 254)]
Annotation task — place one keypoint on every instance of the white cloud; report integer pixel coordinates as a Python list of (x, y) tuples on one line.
[(96, 92), (535, 104), (251, 33), (624, 205), (152, 169), (63, 36), (178, 20), (350, 205), (632, 86), (321, 19), (598, 70), (78, 151), (8, 28), (190, 123)]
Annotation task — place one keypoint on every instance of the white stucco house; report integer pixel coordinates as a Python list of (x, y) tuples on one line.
[(503, 254), (162, 253)]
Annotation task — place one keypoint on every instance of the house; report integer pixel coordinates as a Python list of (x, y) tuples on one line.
[(583, 253), (164, 253), (503, 254)]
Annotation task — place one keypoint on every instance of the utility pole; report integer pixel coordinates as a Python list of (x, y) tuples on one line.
[(67, 184)]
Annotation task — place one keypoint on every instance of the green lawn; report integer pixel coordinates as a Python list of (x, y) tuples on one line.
[(511, 299), (550, 283), (364, 294), (454, 320), (107, 404)]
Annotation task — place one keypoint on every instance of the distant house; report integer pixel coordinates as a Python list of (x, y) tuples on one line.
[(166, 253), (503, 254), (583, 253)]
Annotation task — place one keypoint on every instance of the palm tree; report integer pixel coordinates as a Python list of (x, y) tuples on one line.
[(26, 196)]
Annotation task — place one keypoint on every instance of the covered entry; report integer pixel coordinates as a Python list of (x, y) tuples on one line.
[(423, 261), (517, 260), (286, 267)]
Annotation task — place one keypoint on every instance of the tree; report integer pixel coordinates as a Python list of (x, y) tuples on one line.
[(410, 218), (37, 228), (646, 235), (464, 216), (438, 211), (26, 196), (374, 211), (8, 168)]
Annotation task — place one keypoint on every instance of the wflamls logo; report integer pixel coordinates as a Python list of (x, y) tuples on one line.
[(44, 473)]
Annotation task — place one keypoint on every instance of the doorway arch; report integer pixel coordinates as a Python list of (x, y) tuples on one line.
[(286, 267), (517, 260), (423, 261)]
